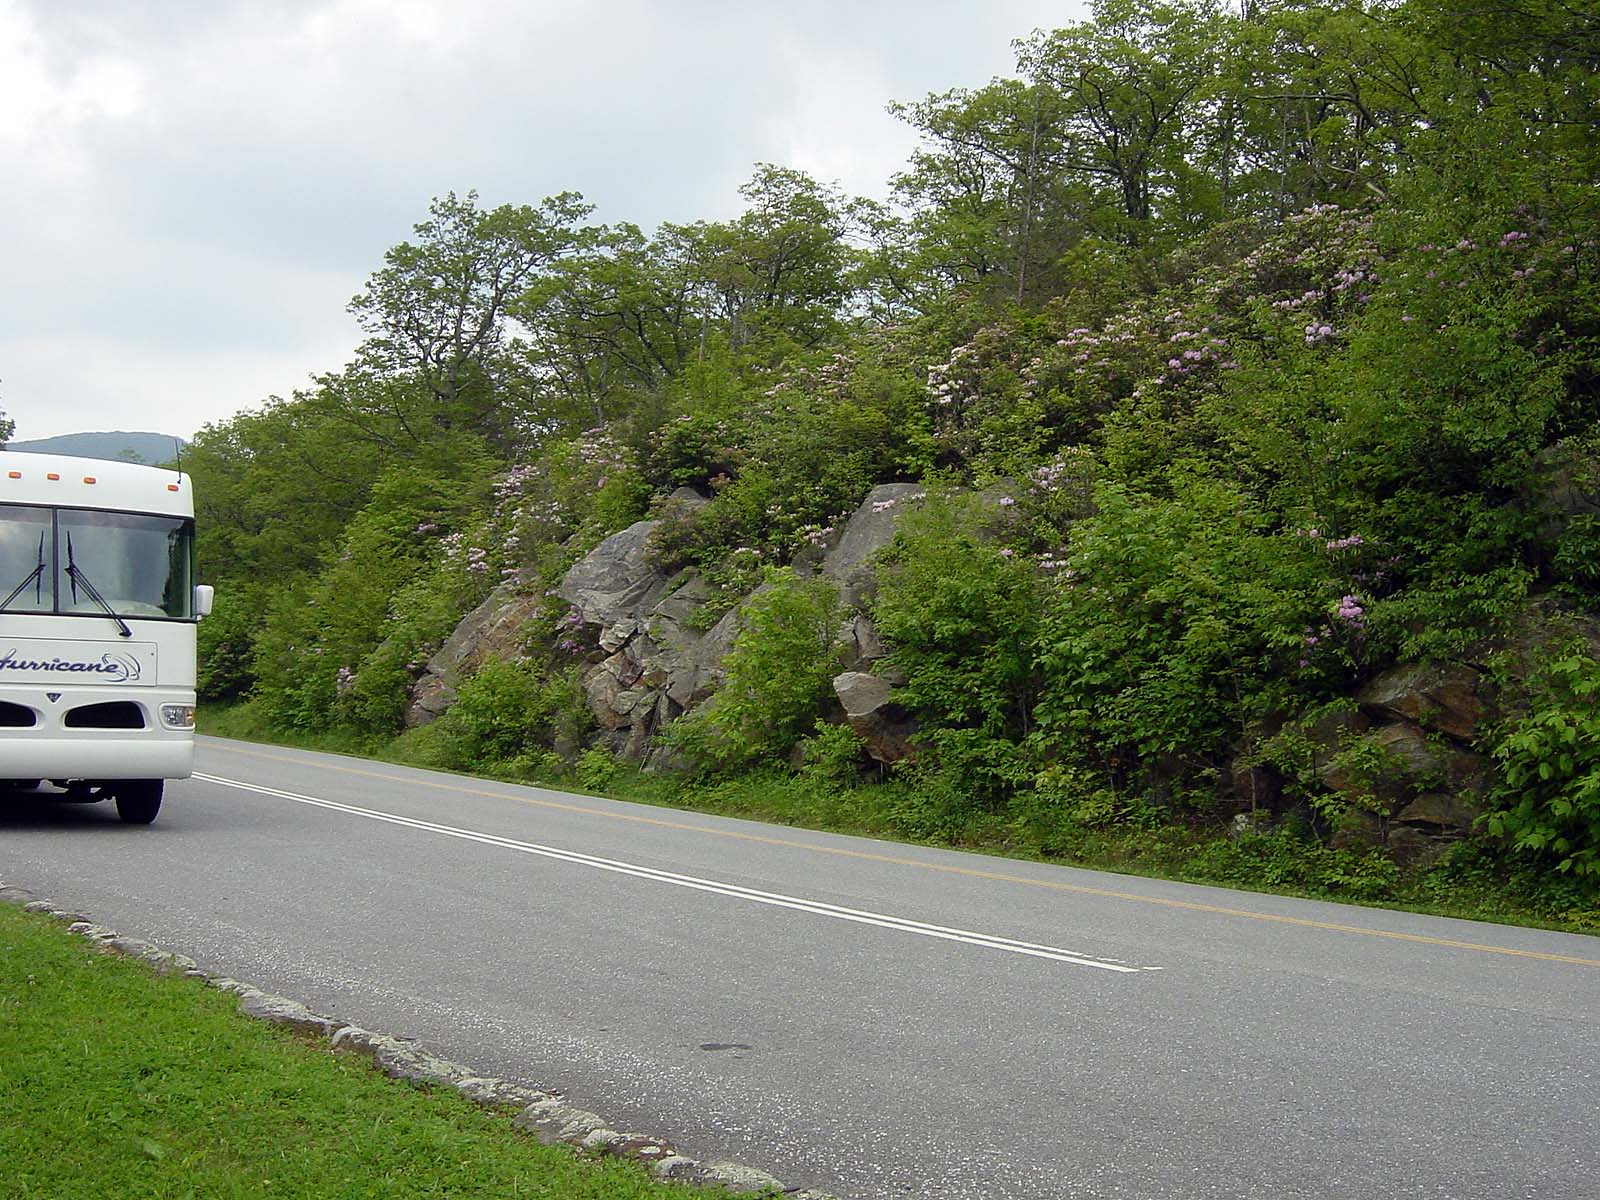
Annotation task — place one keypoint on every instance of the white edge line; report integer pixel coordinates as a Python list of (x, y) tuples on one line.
[(734, 891)]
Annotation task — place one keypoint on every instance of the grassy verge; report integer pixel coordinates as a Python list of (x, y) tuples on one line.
[(118, 1084), (1475, 881)]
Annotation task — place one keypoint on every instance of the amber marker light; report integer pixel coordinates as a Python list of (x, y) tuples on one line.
[(88, 478), (51, 475), (172, 487), (14, 474)]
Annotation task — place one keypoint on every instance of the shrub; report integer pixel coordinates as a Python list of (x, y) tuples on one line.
[(961, 614), (1548, 801), (506, 708), (1176, 621), (779, 675), (833, 755), (227, 646)]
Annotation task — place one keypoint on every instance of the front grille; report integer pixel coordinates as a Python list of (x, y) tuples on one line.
[(114, 714), (14, 716)]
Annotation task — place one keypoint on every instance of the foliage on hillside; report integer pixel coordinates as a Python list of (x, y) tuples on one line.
[(1268, 325)]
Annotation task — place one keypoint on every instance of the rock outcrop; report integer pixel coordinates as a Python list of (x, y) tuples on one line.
[(492, 630), (870, 528), (657, 659), (868, 699), (1404, 762), (657, 653), (616, 582), (1442, 698), (656, 662)]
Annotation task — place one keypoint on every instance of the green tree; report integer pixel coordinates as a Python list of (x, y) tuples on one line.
[(1134, 86), (438, 307), (778, 273), (992, 205), (610, 327)]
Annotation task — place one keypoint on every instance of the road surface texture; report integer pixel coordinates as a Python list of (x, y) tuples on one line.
[(871, 1019)]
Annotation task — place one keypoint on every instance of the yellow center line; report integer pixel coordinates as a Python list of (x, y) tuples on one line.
[(946, 868)]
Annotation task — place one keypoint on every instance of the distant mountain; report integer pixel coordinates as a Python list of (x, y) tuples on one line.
[(151, 448)]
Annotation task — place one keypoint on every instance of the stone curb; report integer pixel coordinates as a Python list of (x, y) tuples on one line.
[(544, 1116)]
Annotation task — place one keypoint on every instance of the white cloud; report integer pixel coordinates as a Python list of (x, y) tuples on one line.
[(203, 187), (129, 384), (44, 104)]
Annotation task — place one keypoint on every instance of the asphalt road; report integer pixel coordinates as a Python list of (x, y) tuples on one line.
[(868, 1018)]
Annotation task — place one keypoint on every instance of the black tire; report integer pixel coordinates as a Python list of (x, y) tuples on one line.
[(139, 800)]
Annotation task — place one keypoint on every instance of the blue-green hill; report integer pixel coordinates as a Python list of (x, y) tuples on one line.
[(152, 448)]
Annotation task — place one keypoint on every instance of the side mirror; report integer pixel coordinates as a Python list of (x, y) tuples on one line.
[(204, 597)]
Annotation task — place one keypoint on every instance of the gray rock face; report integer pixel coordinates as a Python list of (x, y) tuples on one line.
[(615, 580), (492, 630), (657, 660), (870, 528), (861, 644), (658, 664)]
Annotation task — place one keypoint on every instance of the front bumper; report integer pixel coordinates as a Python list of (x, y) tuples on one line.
[(49, 749), (170, 756)]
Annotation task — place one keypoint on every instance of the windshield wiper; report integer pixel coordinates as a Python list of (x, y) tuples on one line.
[(35, 577), (75, 573)]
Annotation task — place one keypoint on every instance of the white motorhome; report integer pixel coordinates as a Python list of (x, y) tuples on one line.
[(98, 606)]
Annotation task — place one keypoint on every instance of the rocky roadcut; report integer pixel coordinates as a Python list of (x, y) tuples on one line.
[(656, 665)]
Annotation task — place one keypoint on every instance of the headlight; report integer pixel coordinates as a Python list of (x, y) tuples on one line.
[(177, 716)]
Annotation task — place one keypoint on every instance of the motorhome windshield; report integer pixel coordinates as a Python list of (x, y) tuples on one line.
[(143, 566)]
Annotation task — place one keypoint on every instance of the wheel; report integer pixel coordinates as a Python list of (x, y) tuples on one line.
[(139, 800)]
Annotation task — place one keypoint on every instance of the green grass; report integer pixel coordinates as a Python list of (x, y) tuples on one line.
[(1477, 881), (117, 1084)]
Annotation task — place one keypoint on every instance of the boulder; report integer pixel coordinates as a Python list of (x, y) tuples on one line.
[(1439, 697), (492, 630), (872, 711), (1440, 812)]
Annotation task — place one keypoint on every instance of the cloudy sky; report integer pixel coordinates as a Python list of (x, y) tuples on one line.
[(192, 190)]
